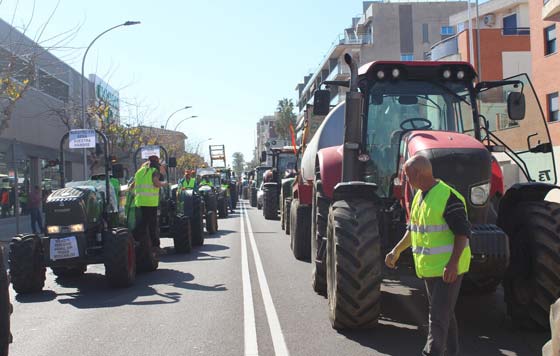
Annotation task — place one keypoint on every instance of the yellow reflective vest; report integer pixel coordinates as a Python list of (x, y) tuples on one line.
[(432, 239), (145, 193), (188, 184)]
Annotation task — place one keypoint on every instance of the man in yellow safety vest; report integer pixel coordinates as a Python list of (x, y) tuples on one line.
[(438, 233), (188, 181), (147, 182)]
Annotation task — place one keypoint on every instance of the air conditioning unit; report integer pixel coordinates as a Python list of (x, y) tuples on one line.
[(489, 20)]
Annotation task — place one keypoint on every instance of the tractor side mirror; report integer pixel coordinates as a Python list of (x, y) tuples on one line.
[(118, 171), (172, 162), (516, 106), (321, 102), (263, 156)]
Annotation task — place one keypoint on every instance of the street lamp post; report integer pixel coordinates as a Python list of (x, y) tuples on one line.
[(185, 119), (201, 142), (173, 113), (82, 111)]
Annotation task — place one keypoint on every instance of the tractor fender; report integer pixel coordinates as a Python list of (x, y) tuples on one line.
[(354, 190), (329, 162), (497, 179), (302, 191), (521, 192)]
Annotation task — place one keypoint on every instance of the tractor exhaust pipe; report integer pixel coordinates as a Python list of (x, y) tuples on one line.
[(351, 167)]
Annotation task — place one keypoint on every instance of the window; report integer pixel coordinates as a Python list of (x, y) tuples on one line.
[(447, 30), (552, 100), (425, 33), (460, 27), (407, 57), (550, 40), (509, 24)]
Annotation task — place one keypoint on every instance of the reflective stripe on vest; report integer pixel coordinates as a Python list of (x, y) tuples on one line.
[(432, 239), (145, 193)]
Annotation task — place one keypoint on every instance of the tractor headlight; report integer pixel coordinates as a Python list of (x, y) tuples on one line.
[(76, 228), (480, 193), (396, 72), (380, 74), (53, 229), (460, 75), (447, 74)]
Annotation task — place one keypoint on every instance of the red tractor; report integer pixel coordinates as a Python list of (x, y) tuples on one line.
[(472, 133)]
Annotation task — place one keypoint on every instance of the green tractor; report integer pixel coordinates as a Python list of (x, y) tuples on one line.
[(81, 228), (283, 167), (209, 195), (5, 308), (189, 203), (171, 222)]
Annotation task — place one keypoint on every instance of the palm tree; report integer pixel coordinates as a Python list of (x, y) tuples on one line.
[(285, 117)]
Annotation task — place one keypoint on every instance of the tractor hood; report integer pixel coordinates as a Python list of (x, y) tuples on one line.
[(458, 159)]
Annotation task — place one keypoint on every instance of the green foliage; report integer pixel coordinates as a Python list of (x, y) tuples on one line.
[(285, 117), (238, 163)]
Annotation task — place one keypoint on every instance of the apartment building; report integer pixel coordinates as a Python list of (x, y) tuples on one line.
[(386, 30), (501, 45)]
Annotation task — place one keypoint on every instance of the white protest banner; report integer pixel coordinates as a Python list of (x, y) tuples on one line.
[(150, 151), (82, 139)]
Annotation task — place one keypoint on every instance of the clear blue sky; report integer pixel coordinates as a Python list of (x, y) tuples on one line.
[(230, 60)]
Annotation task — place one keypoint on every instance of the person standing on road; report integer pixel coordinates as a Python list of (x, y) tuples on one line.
[(5, 200), (35, 202), (147, 182), (438, 232)]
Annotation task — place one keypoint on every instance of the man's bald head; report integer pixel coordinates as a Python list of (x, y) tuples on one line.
[(418, 169)]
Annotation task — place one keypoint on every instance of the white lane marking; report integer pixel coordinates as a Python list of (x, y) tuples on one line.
[(280, 348), (250, 328)]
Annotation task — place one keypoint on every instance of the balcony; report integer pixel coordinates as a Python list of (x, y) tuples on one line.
[(339, 73), (516, 31), (355, 40), (445, 48), (551, 10)]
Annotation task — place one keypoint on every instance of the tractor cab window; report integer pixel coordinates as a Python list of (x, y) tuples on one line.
[(286, 161), (400, 106), (529, 155)]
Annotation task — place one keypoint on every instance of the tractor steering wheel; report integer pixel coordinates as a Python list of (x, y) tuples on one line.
[(416, 123)]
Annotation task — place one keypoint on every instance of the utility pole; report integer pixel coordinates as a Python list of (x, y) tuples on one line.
[(471, 38), (478, 63)]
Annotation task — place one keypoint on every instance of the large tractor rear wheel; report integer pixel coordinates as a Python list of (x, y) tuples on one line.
[(270, 206), (319, 222), (354, 264), (197, 226), (532, 282), (27, 268), (5, 309), (300, 230), (287, 207), (120, 258), (211, 222), (147, 260), (181, 232), (253, 199), (69, 272)]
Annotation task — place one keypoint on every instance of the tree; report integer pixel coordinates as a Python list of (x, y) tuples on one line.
[(285, 118), (238, 163)]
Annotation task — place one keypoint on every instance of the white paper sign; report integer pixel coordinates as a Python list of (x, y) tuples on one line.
[(150, 151), (82, 139), (64, 247)]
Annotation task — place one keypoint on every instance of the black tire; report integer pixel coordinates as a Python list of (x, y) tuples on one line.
[(282, 219), (354, 264), (253, 201), (222, 208), (287, 207), (5, 309), (319, 222), (27, 268), (300, 230), (532, 281), (211, 222), (181, 232), (120, 258), (270, 207), (147, 260), (69, 272), (197, 227)]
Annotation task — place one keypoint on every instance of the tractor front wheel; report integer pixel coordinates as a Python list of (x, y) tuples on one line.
[(147, 259), (354, 264), (300, 231), (319, 222), (270, 206), (181, 232), (287, 207), (120, 258), (532, 281), (5, 310), (27, 269), (197, 226)]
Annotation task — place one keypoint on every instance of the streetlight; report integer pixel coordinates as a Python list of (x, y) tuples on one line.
[(185, 119), (201, 142), (173, 113), (82, 111)]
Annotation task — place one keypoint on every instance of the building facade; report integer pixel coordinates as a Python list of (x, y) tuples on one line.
[(386, 30)]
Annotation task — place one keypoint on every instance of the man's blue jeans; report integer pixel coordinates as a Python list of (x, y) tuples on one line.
[(36, 219)]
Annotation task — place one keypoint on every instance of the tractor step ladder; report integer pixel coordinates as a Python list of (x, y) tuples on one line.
[(217, 156)]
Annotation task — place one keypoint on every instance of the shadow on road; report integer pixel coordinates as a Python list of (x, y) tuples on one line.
[(92, 290), (403, 324), (219, 233), (197, 254)]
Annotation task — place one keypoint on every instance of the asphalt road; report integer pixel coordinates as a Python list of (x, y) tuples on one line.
[(242, 293)]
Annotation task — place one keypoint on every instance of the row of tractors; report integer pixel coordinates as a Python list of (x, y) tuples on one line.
[(349, 202), (96, 222)]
